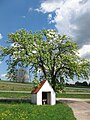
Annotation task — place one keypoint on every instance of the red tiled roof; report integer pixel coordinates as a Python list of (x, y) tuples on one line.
[(35, 91)]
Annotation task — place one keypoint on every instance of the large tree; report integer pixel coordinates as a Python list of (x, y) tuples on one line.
[(54, 55)]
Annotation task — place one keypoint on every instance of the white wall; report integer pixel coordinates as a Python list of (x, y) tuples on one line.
[(46, 88), (53, 98)]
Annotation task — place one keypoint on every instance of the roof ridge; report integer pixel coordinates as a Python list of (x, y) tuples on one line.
[(35, 91)]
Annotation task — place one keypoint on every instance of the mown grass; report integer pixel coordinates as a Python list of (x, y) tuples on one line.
[(14, 95), (26, 111), (63, 95)]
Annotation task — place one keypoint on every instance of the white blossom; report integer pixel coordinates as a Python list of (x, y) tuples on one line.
[(34, 51)]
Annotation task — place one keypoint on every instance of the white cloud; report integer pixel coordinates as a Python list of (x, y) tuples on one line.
[(50, 5), (71, 10), (50, 18), (65, 12), (1, 36), (0, 62), (2, 75), (84, 50), (71, 17), (30, 9)]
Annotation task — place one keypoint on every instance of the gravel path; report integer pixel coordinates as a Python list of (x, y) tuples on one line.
[(80, 108)]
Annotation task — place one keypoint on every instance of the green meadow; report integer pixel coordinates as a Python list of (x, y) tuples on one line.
[(27, 111)]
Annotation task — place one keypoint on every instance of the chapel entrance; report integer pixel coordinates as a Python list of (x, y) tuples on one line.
[(46, 98)]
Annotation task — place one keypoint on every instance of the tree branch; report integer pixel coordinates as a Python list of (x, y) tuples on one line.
[(42, 66), (64, 67)]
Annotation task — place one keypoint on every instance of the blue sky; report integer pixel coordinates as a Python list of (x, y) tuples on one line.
[(18, 14), (71, 17)]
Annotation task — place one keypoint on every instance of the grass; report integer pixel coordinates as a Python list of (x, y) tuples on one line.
[(15, 87), (14, 95), (63, 95), (77, 90), (88, 102), (26, 111), (4, 81), (28, 95), (28, 87)]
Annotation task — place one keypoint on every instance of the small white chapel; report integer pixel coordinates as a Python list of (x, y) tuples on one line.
[(44, 94)]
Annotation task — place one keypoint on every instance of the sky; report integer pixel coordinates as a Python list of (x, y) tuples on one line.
[(71, 17)]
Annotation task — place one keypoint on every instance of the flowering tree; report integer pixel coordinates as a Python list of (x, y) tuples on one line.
[(55, 56)]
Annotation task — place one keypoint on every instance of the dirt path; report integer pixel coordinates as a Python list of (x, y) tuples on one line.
[(80, 108)]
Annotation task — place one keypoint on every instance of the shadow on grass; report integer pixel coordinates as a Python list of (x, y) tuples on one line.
[(15, 101)]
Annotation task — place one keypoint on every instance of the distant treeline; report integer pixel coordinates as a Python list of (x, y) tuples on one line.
[(79, 84)]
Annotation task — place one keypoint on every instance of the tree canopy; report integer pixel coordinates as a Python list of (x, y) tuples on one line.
[(48, 54)]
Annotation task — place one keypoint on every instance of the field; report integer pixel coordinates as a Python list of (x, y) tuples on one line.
[(15, 86), (20, 90), (26, 111), (77, 89)]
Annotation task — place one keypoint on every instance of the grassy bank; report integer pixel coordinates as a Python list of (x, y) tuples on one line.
[(14, 95), (27, 111), (63, 95)]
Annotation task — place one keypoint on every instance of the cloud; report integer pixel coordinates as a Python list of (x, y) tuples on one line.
[(71, 17), (50, 5), (2, 75), (83, 1), (85, 51), (23, 16), (82, 33), (1, 36), (30, 9), (0, 62), (50, 18)]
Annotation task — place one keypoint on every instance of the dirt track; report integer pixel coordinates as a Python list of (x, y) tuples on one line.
[(80, 107)]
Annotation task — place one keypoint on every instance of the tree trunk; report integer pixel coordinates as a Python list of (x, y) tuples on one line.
[(61, 83), (53, 82)]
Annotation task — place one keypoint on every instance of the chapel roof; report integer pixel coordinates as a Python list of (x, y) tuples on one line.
[(36, 90)]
